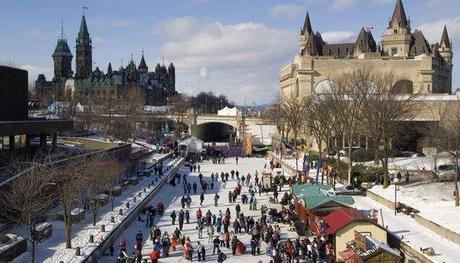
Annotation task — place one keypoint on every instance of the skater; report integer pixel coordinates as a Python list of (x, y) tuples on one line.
[(216, 245), (216, 198), (181, 219), (201, 198), (201, 252), (187, 216), (173, 217)]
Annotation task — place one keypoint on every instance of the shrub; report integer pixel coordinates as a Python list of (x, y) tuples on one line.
[(362, 155)]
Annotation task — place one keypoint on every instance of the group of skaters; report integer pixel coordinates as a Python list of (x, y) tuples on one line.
[(222, 229)]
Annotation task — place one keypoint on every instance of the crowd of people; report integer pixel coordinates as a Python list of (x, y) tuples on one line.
[(223, 229)]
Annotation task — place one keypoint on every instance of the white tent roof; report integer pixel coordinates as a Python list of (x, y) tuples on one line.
[(227, 111)]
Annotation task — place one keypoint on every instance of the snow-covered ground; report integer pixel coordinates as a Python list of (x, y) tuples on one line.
[(53, 249), (171, 196), (435, 201), (411, 232)]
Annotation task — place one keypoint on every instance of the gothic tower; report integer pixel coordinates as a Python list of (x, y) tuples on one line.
[(62, 58), (396, 42), (445, 48), (84, 53)]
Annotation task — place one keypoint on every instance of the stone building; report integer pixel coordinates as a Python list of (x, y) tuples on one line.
[(91, 86), (424, 68)]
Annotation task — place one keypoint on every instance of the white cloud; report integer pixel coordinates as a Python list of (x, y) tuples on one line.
[(204, 72), (342, 4), (99, 39), (433, 30), (339, 36), (35, 70), (244, 57), (288, 11)]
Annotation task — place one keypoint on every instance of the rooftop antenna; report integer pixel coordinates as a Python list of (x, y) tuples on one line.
[(121, 65), (131, 56)]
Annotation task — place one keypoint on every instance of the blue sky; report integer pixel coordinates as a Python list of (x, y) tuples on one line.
[(234, 47)]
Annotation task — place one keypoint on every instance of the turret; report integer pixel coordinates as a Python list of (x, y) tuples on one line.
[(445, 47), (62, 58), (310, 44), (396, 42)]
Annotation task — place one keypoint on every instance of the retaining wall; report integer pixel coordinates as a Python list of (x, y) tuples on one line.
[(118, 231)]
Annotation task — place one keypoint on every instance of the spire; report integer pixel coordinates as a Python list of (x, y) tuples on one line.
[(445, 38), (399, 16), (142, 65), (307, 26), (109, 69), (83, 33), (62, 36)]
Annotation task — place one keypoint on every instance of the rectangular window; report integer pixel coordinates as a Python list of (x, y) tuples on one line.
[(17, 141), (6, 142), (23, 140)]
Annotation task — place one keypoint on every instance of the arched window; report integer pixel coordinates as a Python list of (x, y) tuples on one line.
[(404, 87)]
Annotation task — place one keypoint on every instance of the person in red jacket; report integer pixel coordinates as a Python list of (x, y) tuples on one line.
[(154, 256)]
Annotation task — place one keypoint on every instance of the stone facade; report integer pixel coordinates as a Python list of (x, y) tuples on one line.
[(423, 68)]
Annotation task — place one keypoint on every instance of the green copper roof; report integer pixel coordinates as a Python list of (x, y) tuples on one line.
[(62, 49), (83, 33), (302, 190), (313, 202)]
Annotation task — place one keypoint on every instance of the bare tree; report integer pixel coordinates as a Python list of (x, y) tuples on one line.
[(99, 173), (131, 104), (344, 110), (69, 184), (275, 115), (25, 200), (295, 110), (384, 107), (448, 137), (320, 125), (179, 107)]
